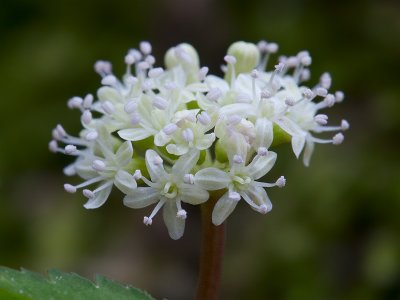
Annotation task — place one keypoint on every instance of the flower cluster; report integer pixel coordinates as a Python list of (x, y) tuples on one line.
[(174, 135)]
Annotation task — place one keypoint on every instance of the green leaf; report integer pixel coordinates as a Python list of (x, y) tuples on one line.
[(26, 285)]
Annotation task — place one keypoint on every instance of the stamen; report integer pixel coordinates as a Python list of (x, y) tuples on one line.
[(149, 220), (345, 125), (88, 101), (88, 194), (108, 107), (234, 196), (203, 73), (290, 101), (150, 59), (69, 188), (160, 102), (188, 178), (53, 146), (87, 117), (326, 80), (214, 94), (98, 165), (60, 130), (156, 72), (170, 128), (339, 96), (110, 80), (181, 214), (321, 119), (103, 68), (130, 107), (91, 135), (135, 120), (238, 159), (338, 139), (204, 118), (75, 102), (262, 151), (188, 135), (145, 47), (281, 182), (158, 160), (322, 92), (137, 175), (70, 149)]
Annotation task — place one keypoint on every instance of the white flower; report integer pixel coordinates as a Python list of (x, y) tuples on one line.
[(241, 182), (98, 163), (168, 190)]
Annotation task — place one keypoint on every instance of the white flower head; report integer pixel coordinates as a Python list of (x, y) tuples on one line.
[(168, 190)]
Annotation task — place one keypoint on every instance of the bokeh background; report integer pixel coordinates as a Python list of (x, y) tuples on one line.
[(334, 230)]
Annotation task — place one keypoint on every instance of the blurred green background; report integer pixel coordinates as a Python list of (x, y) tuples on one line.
[(334, 230)]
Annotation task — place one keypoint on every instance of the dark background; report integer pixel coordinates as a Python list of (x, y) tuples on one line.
[(334, 229)]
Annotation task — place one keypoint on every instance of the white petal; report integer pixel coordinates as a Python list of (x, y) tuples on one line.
[(217, 82), (192, 194), (177, 149), (109, 94), (308, 150), (161, 139), (261, 165), (298, 144), (264, 133), (186, 162), (289, 126), (259, 196), (134, 134), (125, 182), (142, 197), (222, 209), (99, 199), (124, 153), (212, 179), (175, 225), (240, 109), (156, 171), (205, 142)]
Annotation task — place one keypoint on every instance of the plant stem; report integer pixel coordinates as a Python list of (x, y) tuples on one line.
[(212, 252)]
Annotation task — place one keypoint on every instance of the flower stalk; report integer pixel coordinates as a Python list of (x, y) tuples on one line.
[(212, 253)]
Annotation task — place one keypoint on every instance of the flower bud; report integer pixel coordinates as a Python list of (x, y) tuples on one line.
[(247, 57), (186, 56)]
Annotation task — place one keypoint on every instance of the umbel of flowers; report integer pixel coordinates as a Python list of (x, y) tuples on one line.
[(168, 137)]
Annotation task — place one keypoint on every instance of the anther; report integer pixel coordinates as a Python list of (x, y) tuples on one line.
[(129, 59), (150, 60), (321, 91), (234, 196), (214, 94), (160, 102), (69, 188), (272, 47), (147, 221), (203, 73), (91, 135), (170, 128), (108, 107), (262, 46), (145, 47), (204, 118), (181, 214), (329, 100), (238, 159), (326, 80), (87, 117), (137, 175), (170, 85), (306, 60), (102, 67), (266, 94), (345, 125), (53, 146), (281, 182), (321, 119), (262, 151), (88, 194), (305, 75), (130, 107), (290, 101), (188, 178), (157, 160), (188, 135), (338, 139), (88, 101), (60, 130), (70, 149), (131, 80), (339, 96), (254, 74), (98, 165), (109, 80), (230, 59), (75, 102), (279, 67), (308, 94), (135, 119), (153, 73)]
